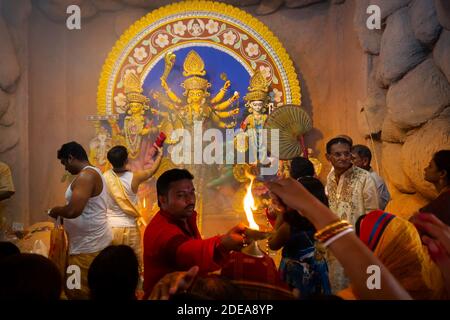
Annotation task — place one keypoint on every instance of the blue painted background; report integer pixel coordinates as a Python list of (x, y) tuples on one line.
[(216, 62)]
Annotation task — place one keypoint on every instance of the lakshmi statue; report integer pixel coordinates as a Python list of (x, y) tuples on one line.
[(135, 125), (196, 106), (257, 101)]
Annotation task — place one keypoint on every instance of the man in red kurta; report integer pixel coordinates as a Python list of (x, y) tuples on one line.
[(172, 241)]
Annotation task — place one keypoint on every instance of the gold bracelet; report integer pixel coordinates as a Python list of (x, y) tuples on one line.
[(323, 237), (329, 227), (332, 231), (335, 232)]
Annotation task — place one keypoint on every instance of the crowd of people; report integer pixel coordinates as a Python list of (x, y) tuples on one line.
[(331, 236)]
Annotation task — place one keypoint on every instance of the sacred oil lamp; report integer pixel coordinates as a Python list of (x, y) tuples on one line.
[(253, 232)]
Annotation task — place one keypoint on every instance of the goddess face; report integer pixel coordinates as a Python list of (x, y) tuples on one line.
[(135, 108), (257, 105), (196, 95)]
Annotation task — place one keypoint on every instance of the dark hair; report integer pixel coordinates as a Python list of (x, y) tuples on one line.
[(8, 249), (164, 181), (114, 274), (73, 149), (442, 161), (346, 137), (29, 277), (212, 287), (358, 224), (117, 156), (362, 151), (336, 141), (301, 167), (316, 188)]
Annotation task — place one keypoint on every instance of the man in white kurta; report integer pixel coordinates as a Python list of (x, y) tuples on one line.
[(354, 195), (351, 193)]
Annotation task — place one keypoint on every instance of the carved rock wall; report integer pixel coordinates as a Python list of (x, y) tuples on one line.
[(14, 103), (413, 65)]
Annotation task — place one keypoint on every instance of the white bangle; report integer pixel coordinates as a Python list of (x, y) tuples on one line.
[(336, 237)]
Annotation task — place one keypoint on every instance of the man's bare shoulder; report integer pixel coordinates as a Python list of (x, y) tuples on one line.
[(87, 176)]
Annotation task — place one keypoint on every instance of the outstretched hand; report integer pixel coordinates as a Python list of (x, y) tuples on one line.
[(235, 238), (287, 192), (292, 194), (437, 237), (173, 283), (235, 96), (437, 240)]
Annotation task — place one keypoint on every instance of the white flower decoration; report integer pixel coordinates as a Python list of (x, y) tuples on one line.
[(128, 71), (265, 71), (162, 40), (229, 38), (252, 49), (277, 94), (140, 53), (120, 101), (179, 28), (212, 26)]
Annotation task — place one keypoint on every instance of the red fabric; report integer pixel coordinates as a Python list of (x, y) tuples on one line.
[(240, 266), (372, 227), (367, 224), (243, 125), (169, 247)]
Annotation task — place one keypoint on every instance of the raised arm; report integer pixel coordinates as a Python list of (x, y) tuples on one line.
[(227, 114), (143, 175), (226, 103), (164, 101), (159, 113), (353, 254), (219, 96), (172, 96)]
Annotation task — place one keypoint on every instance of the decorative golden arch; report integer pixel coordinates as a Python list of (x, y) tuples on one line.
[(196, 23)]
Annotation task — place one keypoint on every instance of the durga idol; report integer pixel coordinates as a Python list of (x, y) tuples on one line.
[(196, 106)]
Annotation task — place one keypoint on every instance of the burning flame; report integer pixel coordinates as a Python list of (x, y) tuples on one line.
[(144, 204), (249, 204)]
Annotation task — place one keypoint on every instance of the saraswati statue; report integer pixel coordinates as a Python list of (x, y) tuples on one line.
[(196, 106)]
